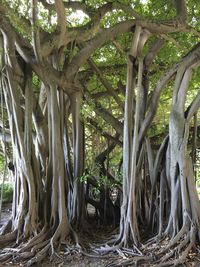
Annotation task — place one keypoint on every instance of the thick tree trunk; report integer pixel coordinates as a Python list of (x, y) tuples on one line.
[(184, 218), (48, 193), (129, 221)]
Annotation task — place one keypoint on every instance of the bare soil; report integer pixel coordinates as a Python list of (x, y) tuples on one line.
[(5, 213)]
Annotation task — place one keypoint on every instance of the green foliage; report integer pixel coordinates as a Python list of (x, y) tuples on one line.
[(7, 192), (197, 170), (96, 192), (112, 62), (36, 82), (84, 178), (102, 181), (2, 160)]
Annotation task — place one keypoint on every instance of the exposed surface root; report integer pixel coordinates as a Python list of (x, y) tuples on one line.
[(36, 249), (49, 245), (8, 238), (39, 256), (162, 252), (184, 245)]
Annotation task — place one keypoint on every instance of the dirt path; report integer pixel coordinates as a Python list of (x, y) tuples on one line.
[(78, 261), (5, 213)]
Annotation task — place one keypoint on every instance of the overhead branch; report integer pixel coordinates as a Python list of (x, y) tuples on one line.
[(181, 10), (120, 89), (61, 20), (49, 74), (112, 32), (119, 47), (95, 125), (105, 83), (49, 42), (85, 32), (102, 156), (113, 69), (153, 51), (94, 12), (105, 114), (25, 50), (171, 40), (13, 18), (193, 107), (75, 5), (104, 36), (109, 118), (35, 31)]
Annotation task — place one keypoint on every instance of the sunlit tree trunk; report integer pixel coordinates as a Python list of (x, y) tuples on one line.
[(48, 193), (184, 216)]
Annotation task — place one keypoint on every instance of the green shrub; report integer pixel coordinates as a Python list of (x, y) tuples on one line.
[(7, 192)]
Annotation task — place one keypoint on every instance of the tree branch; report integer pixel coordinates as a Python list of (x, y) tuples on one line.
[(75, 5), (95, 125), (111, 33), (61, 20), (104, 36), (181, 10), (193, 107), (153, 52), (102, 112), (105, 83), (35, 31)]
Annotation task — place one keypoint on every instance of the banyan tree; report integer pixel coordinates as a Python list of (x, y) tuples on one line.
[(60, 58)]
